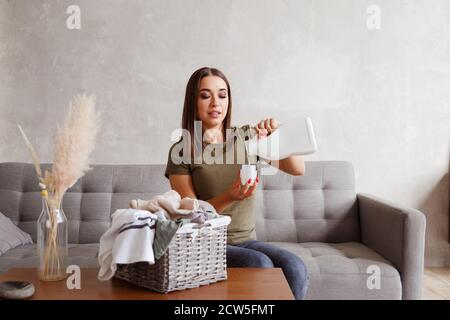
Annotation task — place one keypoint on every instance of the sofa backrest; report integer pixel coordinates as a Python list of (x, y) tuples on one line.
[(88, 204), (319, 206)]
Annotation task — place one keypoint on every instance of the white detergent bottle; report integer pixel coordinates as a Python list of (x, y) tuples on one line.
[(295, 137)]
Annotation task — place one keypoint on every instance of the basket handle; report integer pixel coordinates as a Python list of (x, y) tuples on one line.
[(201, 226), (198, 230)]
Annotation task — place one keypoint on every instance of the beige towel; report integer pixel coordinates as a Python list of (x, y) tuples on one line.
[(170, 202)]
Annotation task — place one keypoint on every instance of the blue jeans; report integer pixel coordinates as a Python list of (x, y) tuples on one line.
[(258, 254)]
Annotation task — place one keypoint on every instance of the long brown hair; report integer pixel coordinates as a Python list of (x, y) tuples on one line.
[(190, 113)]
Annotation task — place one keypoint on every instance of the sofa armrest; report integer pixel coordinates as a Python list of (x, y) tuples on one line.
[(398, 234)]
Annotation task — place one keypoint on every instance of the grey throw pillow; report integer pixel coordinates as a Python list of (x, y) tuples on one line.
[(10, 235)]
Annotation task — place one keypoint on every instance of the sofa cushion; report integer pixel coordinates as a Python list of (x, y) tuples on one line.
[(82, 255), (10, 235), (340, 271)]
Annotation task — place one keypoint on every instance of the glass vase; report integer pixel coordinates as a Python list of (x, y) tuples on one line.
[(52, 244)]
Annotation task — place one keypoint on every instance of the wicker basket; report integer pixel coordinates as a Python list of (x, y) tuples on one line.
[(191, 260)]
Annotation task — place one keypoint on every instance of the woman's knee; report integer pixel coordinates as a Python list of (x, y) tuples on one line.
[(260, 260), (292, 265), (303, 271), (297, 276), (243, 257), (297, 265)]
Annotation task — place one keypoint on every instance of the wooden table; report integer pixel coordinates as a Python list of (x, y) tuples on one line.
[(242, 284)]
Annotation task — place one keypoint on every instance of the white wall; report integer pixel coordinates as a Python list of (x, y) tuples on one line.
[(378, 98)]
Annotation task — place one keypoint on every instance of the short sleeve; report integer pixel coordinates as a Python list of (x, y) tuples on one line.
[(175, 168)]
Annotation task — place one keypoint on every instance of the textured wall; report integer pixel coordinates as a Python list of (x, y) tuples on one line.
[(378, 98)]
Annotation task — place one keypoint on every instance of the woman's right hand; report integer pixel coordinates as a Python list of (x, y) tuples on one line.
[(239, 192)]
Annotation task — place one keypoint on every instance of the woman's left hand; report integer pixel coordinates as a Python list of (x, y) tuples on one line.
[(266, 127)]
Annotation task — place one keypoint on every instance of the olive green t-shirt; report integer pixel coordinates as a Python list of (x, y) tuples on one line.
[(211, 179)]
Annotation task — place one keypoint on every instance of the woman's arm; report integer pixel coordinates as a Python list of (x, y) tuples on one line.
[(235, 192), (220, 202), (182, 183), (184, 186), (294, 165)]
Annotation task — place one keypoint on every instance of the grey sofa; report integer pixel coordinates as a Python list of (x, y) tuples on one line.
[(338, 233)]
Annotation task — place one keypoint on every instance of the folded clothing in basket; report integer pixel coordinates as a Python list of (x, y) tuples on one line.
[(128, 240), (172, 212), (165, 230), (143, 232), (170, 206)]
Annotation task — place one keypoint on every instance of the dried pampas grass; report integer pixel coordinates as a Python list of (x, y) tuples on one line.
[(74, 142), (37, 164)]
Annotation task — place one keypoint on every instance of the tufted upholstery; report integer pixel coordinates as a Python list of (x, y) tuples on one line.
[(319, 206), (340, 270), (88, 204), (318, 216)]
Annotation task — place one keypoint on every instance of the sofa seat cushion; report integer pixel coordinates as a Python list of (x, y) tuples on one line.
[(82, 255), (342, 271)]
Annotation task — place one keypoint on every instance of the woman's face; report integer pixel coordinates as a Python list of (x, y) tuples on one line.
[(212, 103)]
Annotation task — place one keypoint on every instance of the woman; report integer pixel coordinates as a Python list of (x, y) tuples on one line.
[(208, 105)]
